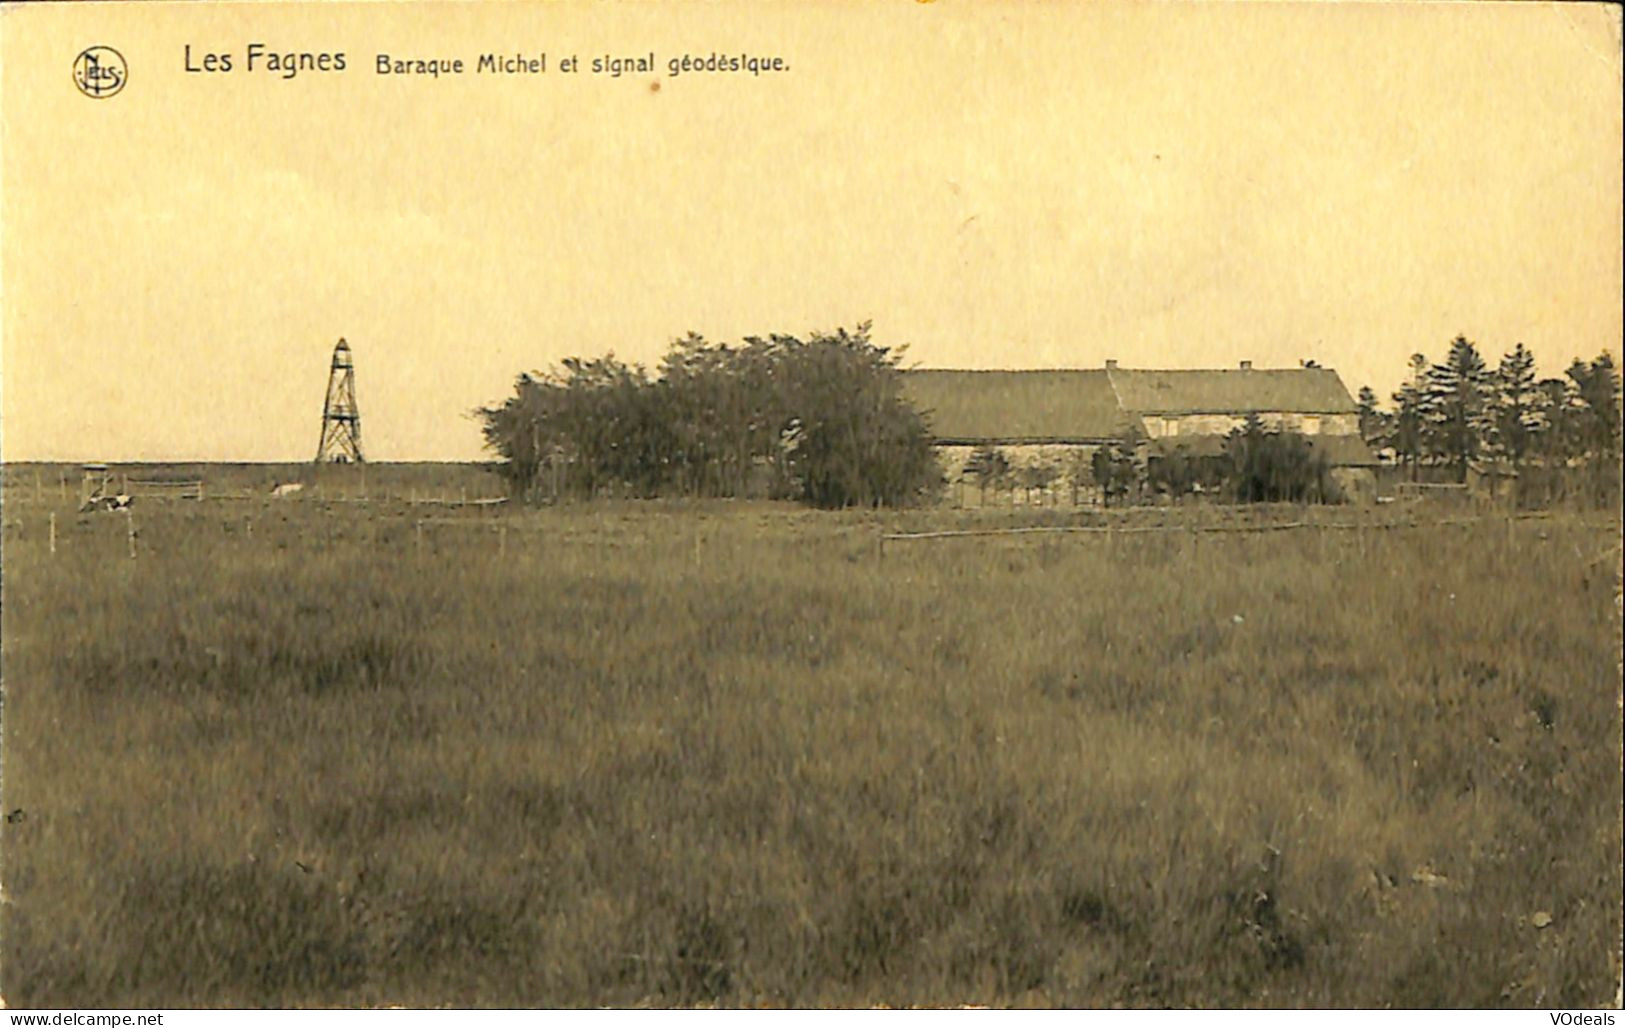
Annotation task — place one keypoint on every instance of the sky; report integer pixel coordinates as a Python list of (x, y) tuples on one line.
[(1011, 185)]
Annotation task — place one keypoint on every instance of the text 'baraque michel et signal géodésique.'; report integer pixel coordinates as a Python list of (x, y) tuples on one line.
[(261, 58)]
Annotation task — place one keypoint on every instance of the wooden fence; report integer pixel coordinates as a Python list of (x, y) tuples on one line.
[(165, 489), (1111, 531)]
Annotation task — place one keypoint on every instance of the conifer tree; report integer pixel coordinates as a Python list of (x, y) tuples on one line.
[(1373, 421), (1598, 386), (1565, 412), (1405, 428), (1519, 406), (1456, 412)]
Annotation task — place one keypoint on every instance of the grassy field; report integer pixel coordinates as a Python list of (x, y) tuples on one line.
[(307, 753)]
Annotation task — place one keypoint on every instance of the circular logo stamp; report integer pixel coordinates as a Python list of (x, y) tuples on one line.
[(99, 72)]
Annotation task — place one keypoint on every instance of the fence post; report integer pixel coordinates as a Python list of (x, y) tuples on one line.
[(418, 531), (502, 539), (53, 533), (129, 530)]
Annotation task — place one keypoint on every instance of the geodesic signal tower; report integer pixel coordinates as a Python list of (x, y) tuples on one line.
[(341, 419)]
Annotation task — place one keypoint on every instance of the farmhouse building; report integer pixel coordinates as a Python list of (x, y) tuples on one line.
[(1058, 419)]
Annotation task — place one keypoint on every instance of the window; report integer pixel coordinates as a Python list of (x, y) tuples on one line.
[(1311, 424)]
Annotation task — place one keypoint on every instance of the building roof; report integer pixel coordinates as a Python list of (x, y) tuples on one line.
[(1017, 406), (1076, 406), (1232, 391)]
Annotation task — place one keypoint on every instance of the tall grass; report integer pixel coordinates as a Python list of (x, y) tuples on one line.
[(708, 755)]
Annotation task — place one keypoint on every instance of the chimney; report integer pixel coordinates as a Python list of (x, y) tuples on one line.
[(1111, 364), (1246, 365)]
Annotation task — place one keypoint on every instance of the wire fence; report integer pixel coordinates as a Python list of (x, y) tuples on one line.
[(427, 524)]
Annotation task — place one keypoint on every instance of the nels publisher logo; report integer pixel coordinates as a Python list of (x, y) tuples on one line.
[(99, 72)]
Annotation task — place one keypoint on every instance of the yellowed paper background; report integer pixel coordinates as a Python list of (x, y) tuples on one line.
[(1011, 185)]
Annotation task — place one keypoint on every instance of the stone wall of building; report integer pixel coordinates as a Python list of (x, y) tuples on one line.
[(1073, 481), (1174, 425)]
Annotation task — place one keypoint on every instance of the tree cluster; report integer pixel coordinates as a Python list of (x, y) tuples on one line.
[(1461, 411), (1179, 473), (822, 420), (1275, 467)]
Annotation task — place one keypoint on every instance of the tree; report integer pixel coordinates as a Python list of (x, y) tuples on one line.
[(1592, 429), (1405, 429), (1518, 414), (1175, 474), (1037, 477), (1374, 426), (1276, 467), (604, 416), (1116, 471), (1456, 407), (1079, 469), (990, 468), (1598, 386), (514, 429), (727, 413), (860, 443)]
